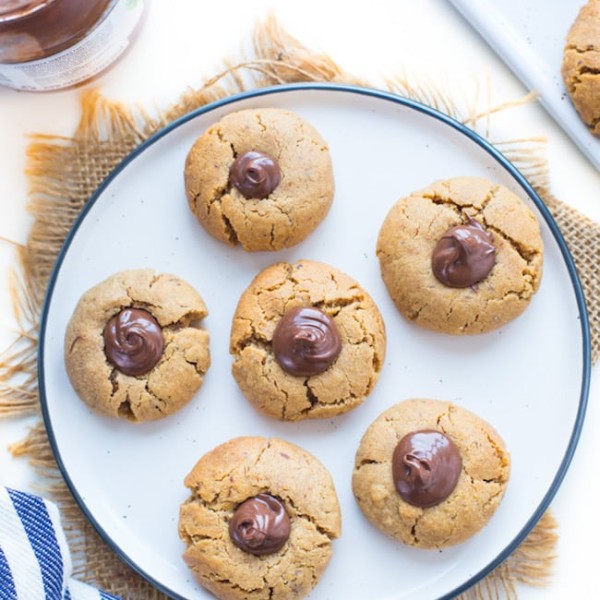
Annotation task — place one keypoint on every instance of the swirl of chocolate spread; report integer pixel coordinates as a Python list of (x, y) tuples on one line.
[(260, 525), (426, 466), (133, 341), (255, 174), (464, 255), (306, 341)]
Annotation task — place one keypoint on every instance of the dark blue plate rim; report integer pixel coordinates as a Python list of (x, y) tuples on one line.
[(421, 108)]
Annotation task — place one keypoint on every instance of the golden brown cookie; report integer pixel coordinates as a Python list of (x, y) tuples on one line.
[(581, 65), (133, 347), (314, 381), (456, 230), (266, 564), (261, 178), (481, 482)]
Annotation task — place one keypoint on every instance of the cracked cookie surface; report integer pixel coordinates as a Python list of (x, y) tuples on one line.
[(347, 382), (230, 474), (173, 380), (409, 235), (581, 65), (291, 211), (480, 487)]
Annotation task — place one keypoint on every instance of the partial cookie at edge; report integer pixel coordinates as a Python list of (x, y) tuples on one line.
[(581, 65)]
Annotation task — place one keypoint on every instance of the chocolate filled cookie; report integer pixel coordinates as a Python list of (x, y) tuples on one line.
[(260, 178), (462, 256), (134, 348), (429, 473), (581, 65), (307, 341), (252, 527)]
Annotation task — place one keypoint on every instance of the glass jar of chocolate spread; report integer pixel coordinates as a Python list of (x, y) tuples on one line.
[(53, 44)]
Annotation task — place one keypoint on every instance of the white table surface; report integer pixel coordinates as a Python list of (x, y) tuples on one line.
[(182, 41)]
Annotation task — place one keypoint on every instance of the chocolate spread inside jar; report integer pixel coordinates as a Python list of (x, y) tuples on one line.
[(53, 44)]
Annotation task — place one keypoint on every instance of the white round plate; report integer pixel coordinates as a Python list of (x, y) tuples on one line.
[(528, 379)]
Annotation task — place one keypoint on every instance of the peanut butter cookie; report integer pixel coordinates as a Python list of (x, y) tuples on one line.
[(261, 178), (253, 528), (429, 473), (307, 341), (462, 256), (133, 347), (581, 65)]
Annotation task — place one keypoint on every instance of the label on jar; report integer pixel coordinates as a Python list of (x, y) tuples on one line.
[(88, 57)]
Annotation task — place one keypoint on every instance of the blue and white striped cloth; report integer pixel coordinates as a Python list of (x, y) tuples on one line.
[(35, 562)]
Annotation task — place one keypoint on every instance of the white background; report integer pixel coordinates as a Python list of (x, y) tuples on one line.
[(184, 41)]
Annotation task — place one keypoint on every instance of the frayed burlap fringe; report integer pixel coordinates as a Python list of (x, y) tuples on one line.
[(63, 173)]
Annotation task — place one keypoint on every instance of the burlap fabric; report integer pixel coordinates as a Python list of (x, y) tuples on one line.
[(64, 172)]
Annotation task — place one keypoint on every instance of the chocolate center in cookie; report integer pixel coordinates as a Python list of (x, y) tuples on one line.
[(255, 174), (426, 466), (133, 341), (260, 525), (306, 341), (464, 256)]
